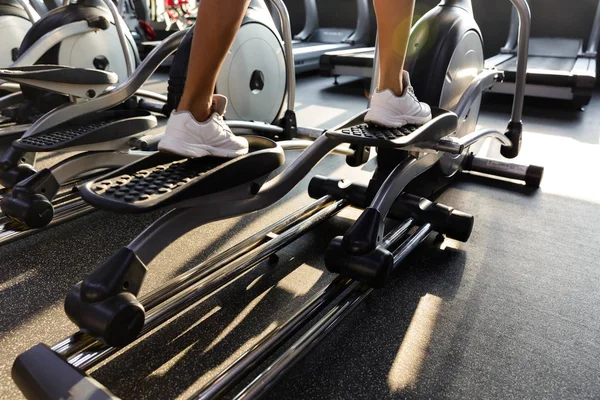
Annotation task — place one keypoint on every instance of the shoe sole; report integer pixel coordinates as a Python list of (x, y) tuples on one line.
[(177, 146), (395, 121)]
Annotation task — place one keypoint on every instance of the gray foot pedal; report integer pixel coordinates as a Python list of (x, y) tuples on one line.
[(163, 179), (442, 124), (96, 128)]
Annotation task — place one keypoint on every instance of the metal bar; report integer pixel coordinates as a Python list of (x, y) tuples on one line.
[(188, 297), (290, 67), (274, 372), (411, 243), (513, 32), (236, 371), (31, 13), (79, 341), (592, 48), (305, 344), (14, 130), (288, 145), (51, 39), (127, 53), (522, 54), (208, 267), (476, 136), (499, 168), (152, 95), (62, 215)]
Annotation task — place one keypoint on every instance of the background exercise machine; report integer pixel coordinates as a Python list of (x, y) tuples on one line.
[(314, 40), (558, 68), (106, 301)]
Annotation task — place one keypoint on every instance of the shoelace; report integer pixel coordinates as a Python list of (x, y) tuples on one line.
[(222, 124), (411, 91)]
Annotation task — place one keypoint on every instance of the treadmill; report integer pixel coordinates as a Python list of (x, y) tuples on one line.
[(558, 68), (314, 41)]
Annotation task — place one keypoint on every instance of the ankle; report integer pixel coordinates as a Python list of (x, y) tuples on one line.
[(397, 89), (201, 111)]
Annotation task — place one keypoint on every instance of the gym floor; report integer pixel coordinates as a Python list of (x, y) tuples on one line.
[(513, 313)]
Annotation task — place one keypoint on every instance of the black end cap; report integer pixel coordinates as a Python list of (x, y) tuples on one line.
[(460, 226), (11, 176), (116, 321), (42, 374), (372, 269), (35, 210), (534, 176), (514, 132)]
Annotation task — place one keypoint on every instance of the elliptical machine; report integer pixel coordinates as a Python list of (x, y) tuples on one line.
[(106, 307), (79, 34), (253, 77)]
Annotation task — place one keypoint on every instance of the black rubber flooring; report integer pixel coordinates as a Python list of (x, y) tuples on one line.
[(513, 313)]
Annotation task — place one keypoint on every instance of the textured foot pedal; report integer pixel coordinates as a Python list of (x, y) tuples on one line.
[(443, 123), (163, 179), (100, 127)]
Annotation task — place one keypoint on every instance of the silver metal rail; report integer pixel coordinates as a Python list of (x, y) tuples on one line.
[(241, 367), (185, 295), (524, 14), (127, 52), (300, 348)]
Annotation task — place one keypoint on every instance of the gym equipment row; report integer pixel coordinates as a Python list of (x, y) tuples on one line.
[(108, 125), (558, 68)]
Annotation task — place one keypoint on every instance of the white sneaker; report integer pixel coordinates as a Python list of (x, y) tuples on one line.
[(187, 137), (392, 111)]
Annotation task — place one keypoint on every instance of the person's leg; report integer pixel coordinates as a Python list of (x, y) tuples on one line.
[(217, 24), (394, 20), (394, 103), (197, 129)]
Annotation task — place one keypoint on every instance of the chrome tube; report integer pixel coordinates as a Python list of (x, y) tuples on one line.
[(476, 136), (231, 375), (288, 145), (208, 267), (263, 382), (208, 285), (524, 14), (236, 371), (66, 212), (411, 243), (127, 53), (286, 29), (79, 341), (31, 13), (592, 48), (305, 344), (152, 95)]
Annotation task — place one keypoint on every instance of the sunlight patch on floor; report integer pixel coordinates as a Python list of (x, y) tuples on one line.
[(17, 280), (238, 320), (318, 115), (407, 366), (301, 280)]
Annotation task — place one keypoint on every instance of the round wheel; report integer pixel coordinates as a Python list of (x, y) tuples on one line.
[(34, 211), (466, 63), (95, 50), (12, 32), (253, 76)]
